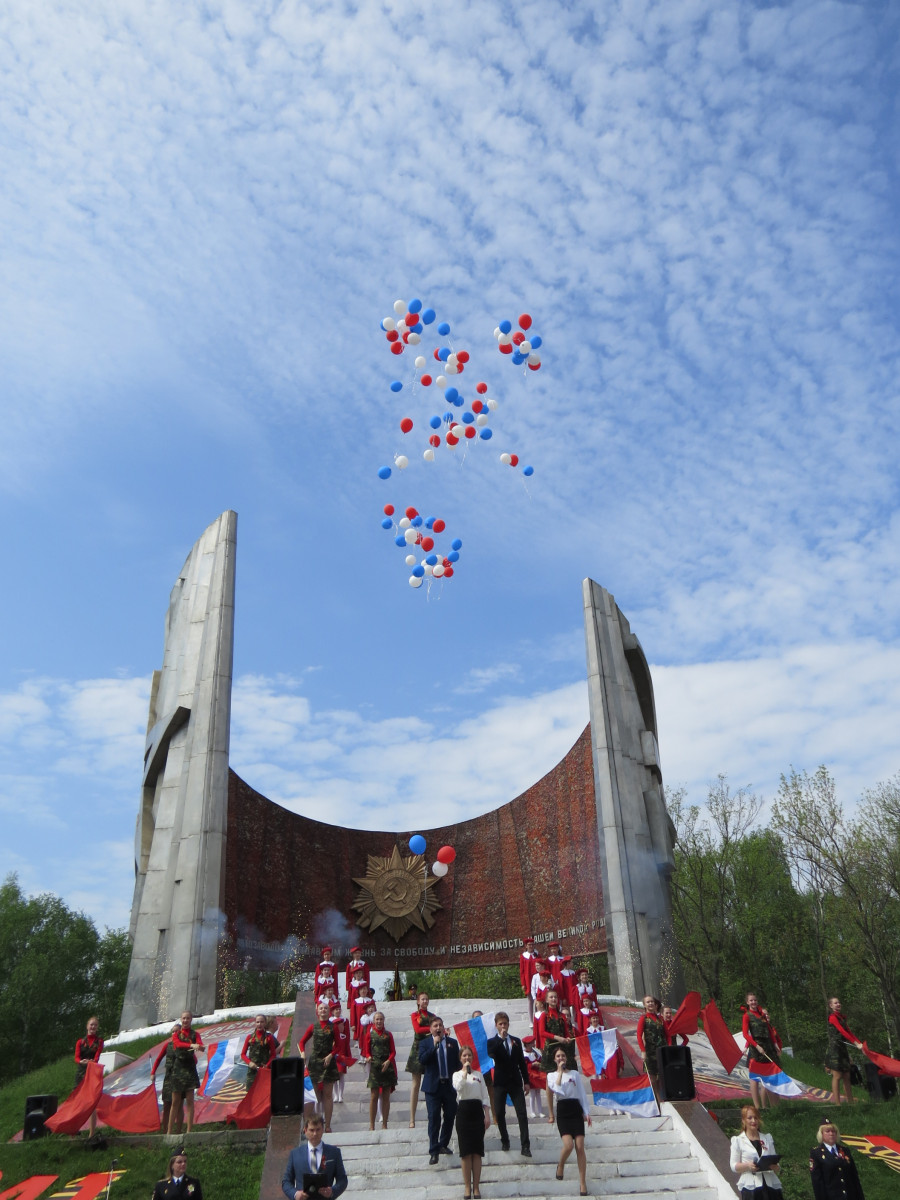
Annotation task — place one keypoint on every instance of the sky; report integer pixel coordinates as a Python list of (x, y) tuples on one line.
[(205, 214)]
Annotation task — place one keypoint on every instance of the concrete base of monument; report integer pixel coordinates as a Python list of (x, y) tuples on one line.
[(627, 1156)]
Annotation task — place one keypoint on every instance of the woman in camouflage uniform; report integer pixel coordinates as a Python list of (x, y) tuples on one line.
[(185, 1079), (382, 1070), (763, 1045), (321, 1062), (421, 1023)]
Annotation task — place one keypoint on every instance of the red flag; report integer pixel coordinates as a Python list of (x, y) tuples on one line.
[(685, 1020), (255, 1109), (77, 1107), (887, 1066), (134, 1113), (720, 1038)]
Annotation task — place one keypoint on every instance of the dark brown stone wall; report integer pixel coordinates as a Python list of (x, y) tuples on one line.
[(530, 866)]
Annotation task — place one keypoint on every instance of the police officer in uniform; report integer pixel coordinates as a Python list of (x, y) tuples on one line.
[(831, 1167)]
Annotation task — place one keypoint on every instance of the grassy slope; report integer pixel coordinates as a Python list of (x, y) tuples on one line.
[(793, 1125), (227, 1174)]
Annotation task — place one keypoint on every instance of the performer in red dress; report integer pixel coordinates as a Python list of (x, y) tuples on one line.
[(259, 1049), (360, 1004), (541, 981), (554, 958), (526, 972), (568, 986), (343, 1048), (326, 980), (537, 1078), (356, 964), (587, 994), (537, 1025), (358, 979), (365, 1027)]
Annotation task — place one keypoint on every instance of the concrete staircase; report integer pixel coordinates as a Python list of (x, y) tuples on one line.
[(638, 1158)]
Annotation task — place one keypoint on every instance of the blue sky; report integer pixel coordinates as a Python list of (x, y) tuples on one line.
[(205, 212)]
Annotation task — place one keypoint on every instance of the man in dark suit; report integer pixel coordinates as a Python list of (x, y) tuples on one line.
[(510, 1079), (439, 1055), (315, 1158)]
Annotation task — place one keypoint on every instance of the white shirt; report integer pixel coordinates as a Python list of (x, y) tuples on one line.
[(470, 1087), (743, 1150), (571, 1087), (536, 983), (315, 1158)]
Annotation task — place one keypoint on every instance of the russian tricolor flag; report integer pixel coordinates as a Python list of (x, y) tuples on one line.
[(220, 1061), (633, 1096), (474, 1033), (595, 1049), (771, 1076)]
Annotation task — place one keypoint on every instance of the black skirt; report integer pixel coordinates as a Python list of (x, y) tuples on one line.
[(470, 1128), (569, 1118)]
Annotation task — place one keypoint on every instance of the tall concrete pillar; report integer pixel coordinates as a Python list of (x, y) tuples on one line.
[(176, 915), (636, 834)]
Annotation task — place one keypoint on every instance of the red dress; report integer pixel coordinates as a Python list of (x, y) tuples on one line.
[(526, 969), (352, 967)]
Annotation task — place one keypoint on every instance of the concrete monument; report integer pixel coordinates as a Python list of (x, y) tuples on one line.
[(176, 915)]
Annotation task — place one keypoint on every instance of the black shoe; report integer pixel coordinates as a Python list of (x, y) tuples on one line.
[(526, 1152), (444, 1150), (433, 1160), (504, 1145)]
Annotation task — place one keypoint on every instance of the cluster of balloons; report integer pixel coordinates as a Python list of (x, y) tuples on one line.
[(521, 346), (444, 856), (413, 531)]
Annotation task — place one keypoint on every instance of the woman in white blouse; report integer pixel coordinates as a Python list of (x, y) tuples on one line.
[(747, 1148), (571, 1110), (473, 1117)]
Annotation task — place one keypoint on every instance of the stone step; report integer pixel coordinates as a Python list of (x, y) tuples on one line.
[(445, 1188), (542, 1151), (643, 1131), (514, 1166)]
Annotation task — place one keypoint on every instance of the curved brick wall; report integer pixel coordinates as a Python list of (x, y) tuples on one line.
[(530, 866)]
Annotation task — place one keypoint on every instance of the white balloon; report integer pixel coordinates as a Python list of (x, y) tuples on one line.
[(497, 333), (481, 420), (534, 359), (504, 339), (411, 535), (429, 454), (440, 869), (440, 382), (388, 324), (413, 339), (427, 568), (525, 347), (492, 404), (420, 362), (437, 570), (416, 581), (399, 307), (404, 522), (402, 462), (410, 560), (402, 327), (452, 359), (506, 459), (451, 368)]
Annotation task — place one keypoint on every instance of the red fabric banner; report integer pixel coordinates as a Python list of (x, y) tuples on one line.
[(720, 1038), (685, 1020), (135, 1113), (77, 1107), (887, 1066), (255, 1109)]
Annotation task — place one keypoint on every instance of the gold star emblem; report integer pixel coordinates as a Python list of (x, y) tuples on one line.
[(396, 894)]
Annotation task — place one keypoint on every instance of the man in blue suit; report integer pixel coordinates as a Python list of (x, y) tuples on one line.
[(315, 1158), (439, 1055)]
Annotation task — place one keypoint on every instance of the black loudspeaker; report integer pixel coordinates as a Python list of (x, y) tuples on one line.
[(676, 1073), (287, 1086), (881, 1087), (37, 1110)]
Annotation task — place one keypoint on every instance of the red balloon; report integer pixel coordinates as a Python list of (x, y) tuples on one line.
[(425, 381), (411, 512), (451, 440), (446, 562), (393, 336), (434, 440), (427, 543), (514, 460), (439, 526), (470, 431), (446, 854), (524, 321), (406, 337), (437, 354), (411, 319), (448, 571), (389, 510), (507, 349), (462, 356), (534, 366), (396, 347), (518, 338), (480, 388), (459, 368), (406, 424), (477, 406)]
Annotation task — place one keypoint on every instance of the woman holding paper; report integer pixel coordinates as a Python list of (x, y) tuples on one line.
[(473, 1117), (753, 1158), (572, 1109)]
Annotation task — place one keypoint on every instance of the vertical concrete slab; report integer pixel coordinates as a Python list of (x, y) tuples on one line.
[(636, 834), (176, 913)]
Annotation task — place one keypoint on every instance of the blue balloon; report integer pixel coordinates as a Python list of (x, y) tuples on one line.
[(386, 523), (431, 559), (468, 418), (456, 544), (451, 394), (448, 417), (435, 422), (417, 842), (428, 316), (487, 433), (417, 328), (505, 326), (417, 521), (396, 386), (536, 342), (429, 522), (419, 572), (414, 306), (399, 540), (459, 402), (452, 556), (518, 357), (528, 471), (443, 328), (384, 472), (443, 354)]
